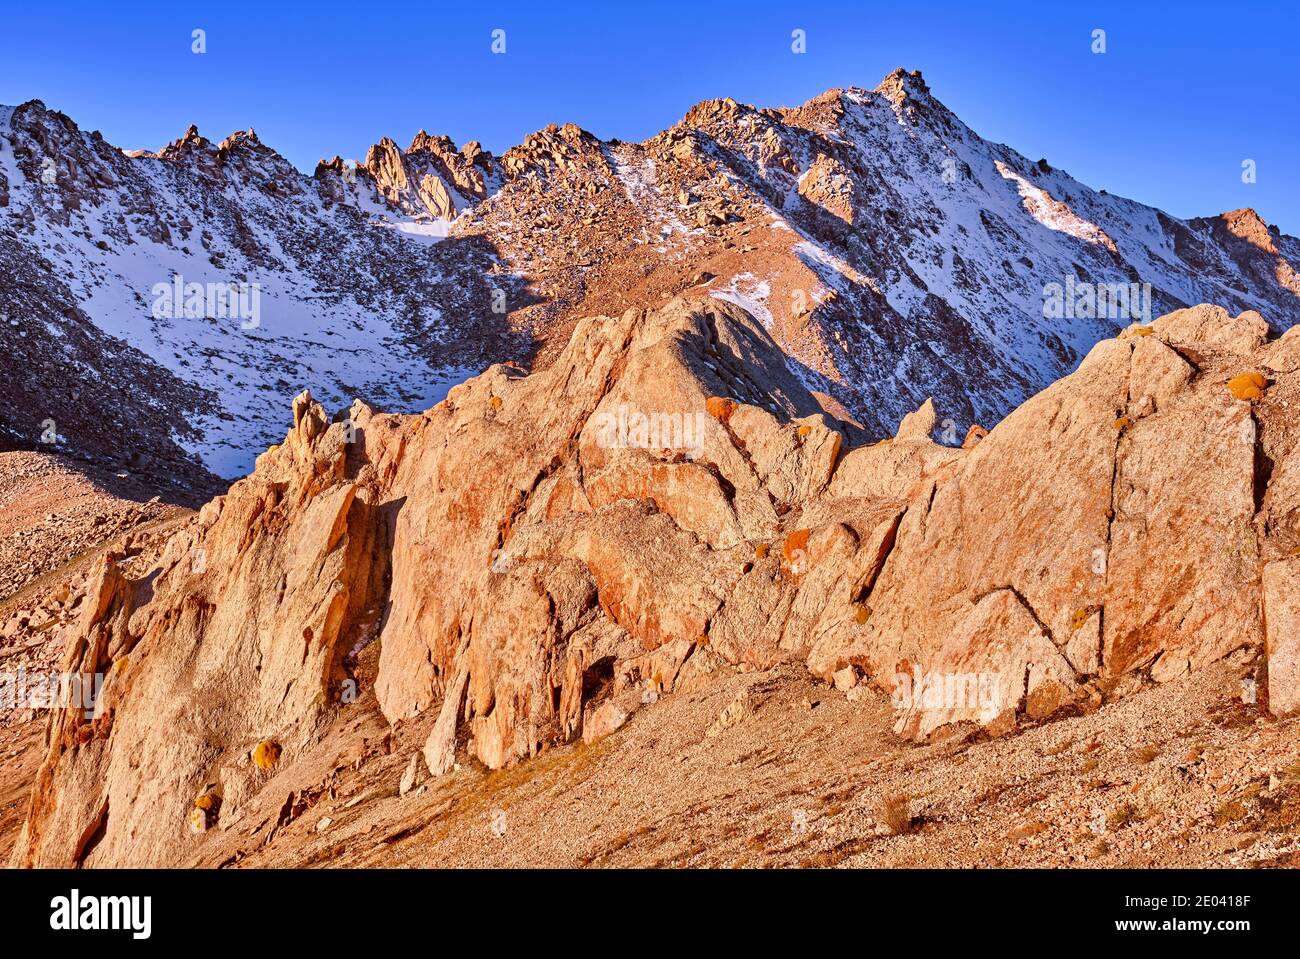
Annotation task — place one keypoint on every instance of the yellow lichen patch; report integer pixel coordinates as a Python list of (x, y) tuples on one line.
[(1123, 423), (266, 754), (119, 667), (273, 447), (1248, 386), (805, 430), (1079, 618), (720, 408), (862, 613), (701, 640), (1136, 329), (204, 802), (496, 402), (761, 550)]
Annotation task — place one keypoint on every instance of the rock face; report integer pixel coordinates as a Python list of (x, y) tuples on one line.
[(539, 556), (1282, 611)]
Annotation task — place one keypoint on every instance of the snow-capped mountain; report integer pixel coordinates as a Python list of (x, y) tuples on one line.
[(891, 251), (167, 304)]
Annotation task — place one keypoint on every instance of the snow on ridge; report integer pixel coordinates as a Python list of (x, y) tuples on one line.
[(1054, 214), (750, 294)]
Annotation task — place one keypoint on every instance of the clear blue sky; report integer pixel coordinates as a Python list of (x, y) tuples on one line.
[(1183, 94)]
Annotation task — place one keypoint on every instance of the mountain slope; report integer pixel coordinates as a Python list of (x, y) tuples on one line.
[(892, 253), (345, 299)]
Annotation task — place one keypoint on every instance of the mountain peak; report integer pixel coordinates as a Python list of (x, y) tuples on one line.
[(901, 85)]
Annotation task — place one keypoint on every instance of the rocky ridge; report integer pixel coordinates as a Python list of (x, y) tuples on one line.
[(534, 564)]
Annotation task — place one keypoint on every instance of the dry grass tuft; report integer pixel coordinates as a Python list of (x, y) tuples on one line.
[(1148, 754), (1229, 812), (895, 812)]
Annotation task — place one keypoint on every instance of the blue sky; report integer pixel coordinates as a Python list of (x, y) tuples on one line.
[(1182, 95)]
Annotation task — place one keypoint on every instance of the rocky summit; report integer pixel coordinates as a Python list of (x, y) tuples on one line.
[(807, 486)]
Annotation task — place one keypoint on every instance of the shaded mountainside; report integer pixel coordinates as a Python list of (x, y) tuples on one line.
[(892, 254), (665, 507)]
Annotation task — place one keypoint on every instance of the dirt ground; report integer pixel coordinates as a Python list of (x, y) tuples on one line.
[(54, 510), (1181, 775)]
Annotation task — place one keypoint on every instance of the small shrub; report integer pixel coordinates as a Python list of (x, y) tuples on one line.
[(1125, 815), (1229, 811)]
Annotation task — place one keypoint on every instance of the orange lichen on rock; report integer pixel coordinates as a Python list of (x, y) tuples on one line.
[(796, 545), (973, 436), (1136, 329), (862, 614), (1248, 386), (496, 402), (1123, 423), (761, 550), (1079, 618), (720, 408), (805, 429), (266, 754)]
